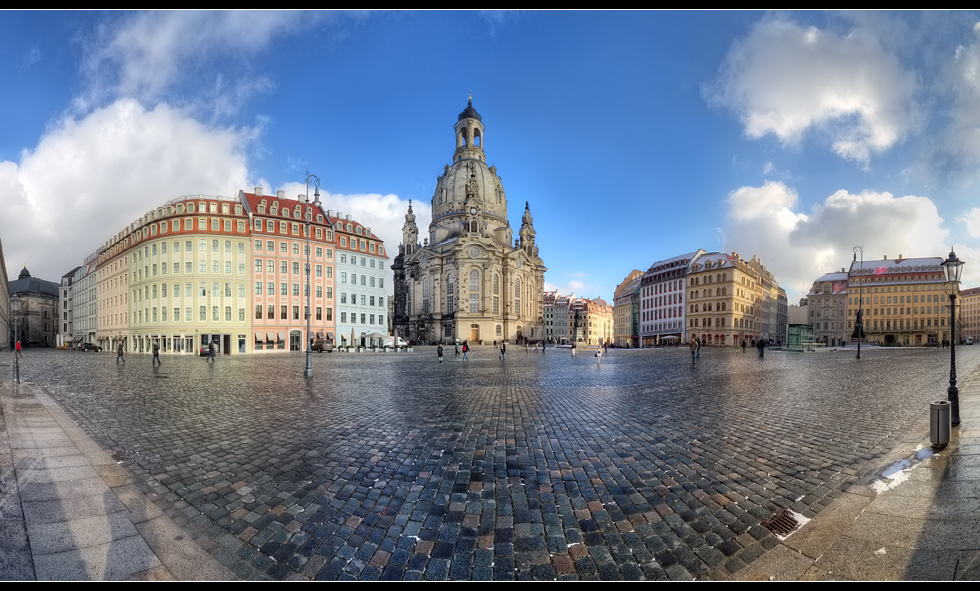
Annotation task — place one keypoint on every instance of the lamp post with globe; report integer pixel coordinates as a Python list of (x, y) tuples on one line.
[(953, 268)]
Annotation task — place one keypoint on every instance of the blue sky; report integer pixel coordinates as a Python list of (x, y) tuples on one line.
[(634, 136)]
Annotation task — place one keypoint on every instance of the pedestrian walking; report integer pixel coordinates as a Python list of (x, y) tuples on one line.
[(527, 346), (119, 353), (535, 346), (503, 350), (761, 346), (694, 349), (439, 353), (210, 352), (598, 356), (457, 348), (466, 349), (19, 354), (156, 352), (743, 345)]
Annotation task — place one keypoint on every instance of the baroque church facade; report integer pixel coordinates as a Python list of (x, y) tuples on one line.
[(470, 279)]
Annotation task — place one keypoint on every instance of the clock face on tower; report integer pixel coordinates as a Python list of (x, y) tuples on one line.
[(473, 210)]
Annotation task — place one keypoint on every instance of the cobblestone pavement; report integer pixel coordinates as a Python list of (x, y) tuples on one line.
[(544, 466)]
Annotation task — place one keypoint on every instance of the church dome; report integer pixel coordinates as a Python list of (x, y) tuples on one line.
[(468, 190), (469, 183)]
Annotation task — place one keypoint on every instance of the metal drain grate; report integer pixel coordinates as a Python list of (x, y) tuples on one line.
[(782, 523)]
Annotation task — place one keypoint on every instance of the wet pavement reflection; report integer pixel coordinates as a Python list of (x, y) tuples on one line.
[(543, 466)]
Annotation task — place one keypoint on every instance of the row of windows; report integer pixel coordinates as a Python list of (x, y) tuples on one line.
[(202, 225), (202, 268), (364, 299), (364, 261), (284, 312), (364, 246), (290, 229), (150, 314), (364, 280), (284, 248), (365, 318), (202, 246), (284, 289), (150, 291), (284, 266)]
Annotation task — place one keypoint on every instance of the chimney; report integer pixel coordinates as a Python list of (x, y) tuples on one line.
[(348, 217), (257, 191), (281, 194), (886, 257), (900, 257)]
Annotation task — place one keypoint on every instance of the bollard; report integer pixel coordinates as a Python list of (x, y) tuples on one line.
[(939, 423)]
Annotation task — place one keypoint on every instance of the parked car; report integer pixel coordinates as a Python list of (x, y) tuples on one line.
[(89, 347), (320, 345)]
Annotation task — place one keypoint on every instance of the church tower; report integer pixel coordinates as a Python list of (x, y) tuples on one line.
[(410, 231), (470, 280), (527, 232)]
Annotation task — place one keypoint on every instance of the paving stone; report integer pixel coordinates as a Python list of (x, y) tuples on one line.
[(489, 472)]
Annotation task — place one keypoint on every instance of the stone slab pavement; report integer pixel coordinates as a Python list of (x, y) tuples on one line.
[(917, 517), (69, 512)]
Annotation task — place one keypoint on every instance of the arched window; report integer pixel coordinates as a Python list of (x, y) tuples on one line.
[(517, 297), (474, 290)]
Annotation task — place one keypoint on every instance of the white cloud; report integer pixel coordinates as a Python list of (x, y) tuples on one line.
[(786, 80), (89, 176), (800, 247), (575, 287), (972, 221), (961, 137), (145, 54)]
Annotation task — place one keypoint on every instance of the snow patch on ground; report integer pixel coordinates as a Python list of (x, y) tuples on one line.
[(898, 472)]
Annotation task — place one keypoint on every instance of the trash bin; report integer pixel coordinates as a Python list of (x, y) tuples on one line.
[(939, 423)]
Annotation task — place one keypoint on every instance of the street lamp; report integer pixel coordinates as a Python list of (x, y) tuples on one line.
[(309, 218), (859, 323), (953, 267)]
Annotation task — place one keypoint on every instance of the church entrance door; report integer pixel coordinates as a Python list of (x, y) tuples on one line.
[(475, 333)]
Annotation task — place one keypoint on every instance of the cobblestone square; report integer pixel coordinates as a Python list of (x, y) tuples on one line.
[(393, 466)]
